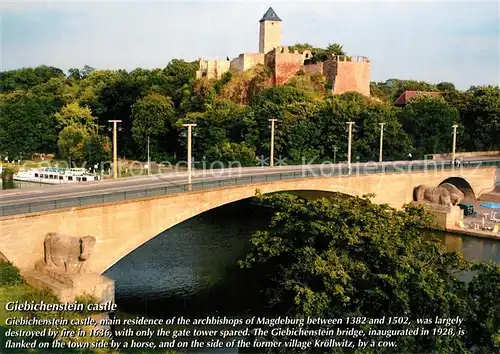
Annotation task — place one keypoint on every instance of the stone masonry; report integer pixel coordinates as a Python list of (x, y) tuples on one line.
[(344, 73)]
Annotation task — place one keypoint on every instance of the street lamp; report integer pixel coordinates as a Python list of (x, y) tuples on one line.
[(271, 161), (381, 141), (149, 162), (189, 126), (115, 155), (335, 154), (349, 146), (454, 143)]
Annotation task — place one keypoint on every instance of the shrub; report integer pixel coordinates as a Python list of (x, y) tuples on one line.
[(9, 274)]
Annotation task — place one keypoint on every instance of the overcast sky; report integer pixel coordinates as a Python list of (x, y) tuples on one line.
[(432, 41)]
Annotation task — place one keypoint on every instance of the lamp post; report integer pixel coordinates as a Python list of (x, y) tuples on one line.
[(454, 144), (381, 141), (115, 155), (149, 162), (271, 160), (349, 146), (335, 154), (189, 126)]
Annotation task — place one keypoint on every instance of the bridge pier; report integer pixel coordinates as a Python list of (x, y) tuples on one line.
[(446, 216), (63, 269), (69, 286)]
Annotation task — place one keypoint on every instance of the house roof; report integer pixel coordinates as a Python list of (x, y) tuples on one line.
[(270, 15), (408, 95)]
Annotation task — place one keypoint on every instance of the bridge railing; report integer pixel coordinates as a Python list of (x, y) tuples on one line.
[(173, 189)]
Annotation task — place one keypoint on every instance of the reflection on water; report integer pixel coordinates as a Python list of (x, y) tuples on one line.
[(21, 184), (7, 182), (474, 248), (190, 267)]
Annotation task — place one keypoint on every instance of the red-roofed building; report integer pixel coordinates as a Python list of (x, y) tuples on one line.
[(408, 95)]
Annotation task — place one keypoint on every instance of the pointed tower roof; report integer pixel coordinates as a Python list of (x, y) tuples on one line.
[(270, 15)]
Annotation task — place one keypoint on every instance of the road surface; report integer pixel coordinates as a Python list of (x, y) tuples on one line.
[(57, 192)]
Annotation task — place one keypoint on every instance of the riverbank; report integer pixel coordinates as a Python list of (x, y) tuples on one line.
[(474, 233)]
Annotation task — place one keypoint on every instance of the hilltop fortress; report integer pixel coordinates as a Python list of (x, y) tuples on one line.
[(344, 73)]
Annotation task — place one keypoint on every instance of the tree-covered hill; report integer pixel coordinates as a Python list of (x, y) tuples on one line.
[(45, 110)]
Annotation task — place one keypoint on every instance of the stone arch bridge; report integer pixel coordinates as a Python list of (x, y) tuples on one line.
[(121, 227)]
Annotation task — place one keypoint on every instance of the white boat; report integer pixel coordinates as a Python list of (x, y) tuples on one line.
[(51, 175)]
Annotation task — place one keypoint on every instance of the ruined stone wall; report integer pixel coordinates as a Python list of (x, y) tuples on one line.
[(246, 61), (330, 71), (348, 74), (316, 68), (284, 64), (212, 69)]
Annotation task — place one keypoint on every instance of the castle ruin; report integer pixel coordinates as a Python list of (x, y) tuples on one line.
[(344, 73)]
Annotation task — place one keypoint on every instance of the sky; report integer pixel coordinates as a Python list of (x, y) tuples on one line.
[(454, 41)]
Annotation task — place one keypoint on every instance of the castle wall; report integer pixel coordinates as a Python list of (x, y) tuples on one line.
[(316, 68), (246, 61), (212, 69), (284, 64), (348, 74)]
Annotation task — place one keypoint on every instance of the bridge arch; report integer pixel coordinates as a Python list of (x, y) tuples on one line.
[(463, 185), (196, 208)]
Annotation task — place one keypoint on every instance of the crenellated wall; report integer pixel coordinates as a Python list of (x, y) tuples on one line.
[(347, 74), (285, 64), (344, 73), (246, 61)]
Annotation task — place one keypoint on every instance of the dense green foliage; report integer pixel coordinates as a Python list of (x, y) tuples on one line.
[(9, 275), (37, 105), (342, 256)]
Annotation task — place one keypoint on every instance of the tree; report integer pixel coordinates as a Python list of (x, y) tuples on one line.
[(232, 154), (71, 142), (480, 115), (335, 49), (87, 70), (74, 114), (445, 86), (484, 325), (178, 75), (27, 78), (345, 256), (74, 74), (319, 54), (25, 124), (428, 120), (96, 149), (151, 117)]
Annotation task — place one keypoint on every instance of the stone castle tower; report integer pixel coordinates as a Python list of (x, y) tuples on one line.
[(270, 31)]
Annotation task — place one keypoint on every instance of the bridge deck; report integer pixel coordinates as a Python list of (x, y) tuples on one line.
[(57, 197)]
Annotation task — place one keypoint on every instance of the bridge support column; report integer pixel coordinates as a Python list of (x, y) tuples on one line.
[(445, 216)]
